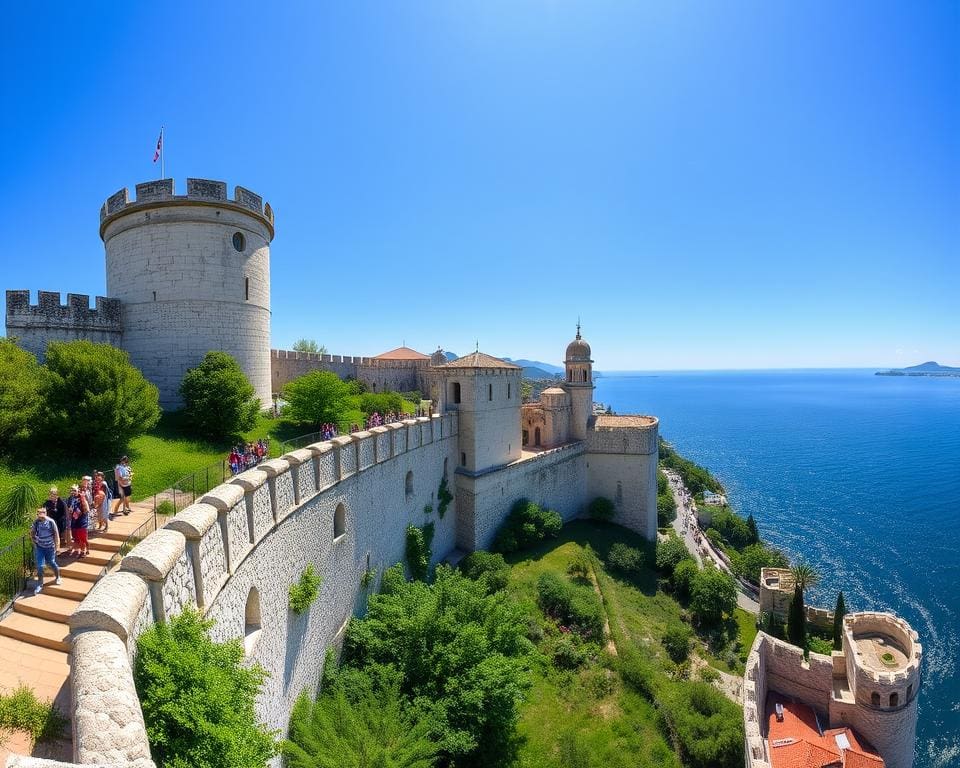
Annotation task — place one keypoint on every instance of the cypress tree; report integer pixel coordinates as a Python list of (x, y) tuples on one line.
[(838, 613), (797, 620), (754, 533)]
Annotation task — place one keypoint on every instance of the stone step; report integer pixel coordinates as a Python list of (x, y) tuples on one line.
[(96, 557), (103, 544), (72, 589), (34, 631), (81, 570), (46, 606)]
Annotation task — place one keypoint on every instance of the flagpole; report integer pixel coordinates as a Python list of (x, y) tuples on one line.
[(161, 152)]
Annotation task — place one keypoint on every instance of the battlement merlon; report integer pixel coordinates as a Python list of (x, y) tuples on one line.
[(49, 312), (151, 194)]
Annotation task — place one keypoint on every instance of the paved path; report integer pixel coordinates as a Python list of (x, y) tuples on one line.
[(35, 642), (685, 523)]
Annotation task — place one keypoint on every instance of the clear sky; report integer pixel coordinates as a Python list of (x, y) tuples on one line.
[(708, 185)]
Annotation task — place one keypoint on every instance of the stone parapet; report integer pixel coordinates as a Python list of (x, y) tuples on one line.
[(36, 325)]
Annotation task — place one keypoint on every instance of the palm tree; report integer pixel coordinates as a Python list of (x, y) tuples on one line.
[(804, 575)]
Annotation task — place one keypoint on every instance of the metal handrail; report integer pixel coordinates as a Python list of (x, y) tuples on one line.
[(18, 555)]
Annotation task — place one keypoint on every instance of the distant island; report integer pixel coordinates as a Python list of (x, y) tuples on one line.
[(924, 369)]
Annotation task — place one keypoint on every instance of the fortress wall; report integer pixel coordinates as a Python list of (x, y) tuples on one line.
[(248, 537), (754, 703), (555, 479), (288, 365), (378, 375), (36, 325), (630, 482)]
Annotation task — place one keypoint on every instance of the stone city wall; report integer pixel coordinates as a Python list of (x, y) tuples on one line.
[(378, 375), (342, 505), (555, 479), (36, 325)]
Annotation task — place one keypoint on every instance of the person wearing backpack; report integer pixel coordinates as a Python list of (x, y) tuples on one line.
[(45, 536)]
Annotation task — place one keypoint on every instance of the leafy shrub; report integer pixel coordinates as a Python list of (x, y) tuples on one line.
[(601, 508), (625, 559), (198, 698), (166, 508), (569, 652), (578, 608), (676, 641), (382, 402), (21, 710), (670, 552), (582, 564), (754, 557), (455, 648), (489, 566), (708, 727), (20, 397), (218, 399), (96, 386), (316, 398), (526, 525), (666, 509), (444, 497), (19, 501), (708, 674), (683, 576), (732, 528), (368, 577), (305, 591), (418, 551), (713, 593), (819, 645), (356, 727)]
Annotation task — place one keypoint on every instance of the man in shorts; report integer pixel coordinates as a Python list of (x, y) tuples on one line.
[(124, 478)]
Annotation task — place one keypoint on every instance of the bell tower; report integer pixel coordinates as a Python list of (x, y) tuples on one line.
[(579, 383)]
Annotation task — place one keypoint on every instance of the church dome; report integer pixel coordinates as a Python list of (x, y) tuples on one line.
[(578, 349)]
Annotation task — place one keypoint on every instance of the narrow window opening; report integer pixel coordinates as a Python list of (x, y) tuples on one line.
[(536, 437), (894, 699), (508, 391), (569, 375), (525, 437), (875, 699), (456, 391), (909, 692), (339, 521), (489, 391), (408, 486), (246, 289), (154, 295), (251, 622), (463, 459)]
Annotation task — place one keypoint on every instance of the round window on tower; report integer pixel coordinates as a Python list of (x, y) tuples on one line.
[(239, 241)]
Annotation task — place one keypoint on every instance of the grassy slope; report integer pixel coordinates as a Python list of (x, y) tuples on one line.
[(588, 717)]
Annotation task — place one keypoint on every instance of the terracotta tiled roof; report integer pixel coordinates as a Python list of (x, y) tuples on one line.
[(797, 742), (479, 360), (402, 353), (608, 420)]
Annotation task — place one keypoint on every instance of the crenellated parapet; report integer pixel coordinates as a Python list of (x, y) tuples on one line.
[(339, 504), (50, 319), (199, 191)]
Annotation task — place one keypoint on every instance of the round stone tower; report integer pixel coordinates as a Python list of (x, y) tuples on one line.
[(882, 654), (579, 383), (193, 274)]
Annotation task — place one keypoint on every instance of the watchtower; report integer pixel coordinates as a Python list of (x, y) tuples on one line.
[(579, 383), (193, 274)]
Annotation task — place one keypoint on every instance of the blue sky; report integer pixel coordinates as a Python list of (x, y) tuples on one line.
[(708, 185)]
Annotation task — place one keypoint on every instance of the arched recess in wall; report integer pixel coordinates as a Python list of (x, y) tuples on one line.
[(251, 622), (339, 521), (408, 485), (894, 699), (875, 699)]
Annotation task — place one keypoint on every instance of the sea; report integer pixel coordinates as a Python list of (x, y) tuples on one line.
[(856, 473)]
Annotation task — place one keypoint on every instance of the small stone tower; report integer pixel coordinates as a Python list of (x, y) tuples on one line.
[(579, 384), (193, 274)]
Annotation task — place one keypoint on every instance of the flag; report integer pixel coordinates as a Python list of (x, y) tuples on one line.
[(156, 153)]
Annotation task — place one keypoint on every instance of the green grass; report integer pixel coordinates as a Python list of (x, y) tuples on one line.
[(588, 718), (747, 631)]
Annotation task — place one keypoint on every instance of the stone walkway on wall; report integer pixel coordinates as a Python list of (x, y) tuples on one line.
[(35, 642)]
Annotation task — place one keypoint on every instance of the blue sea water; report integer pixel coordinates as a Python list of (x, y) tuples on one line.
[(858, 474)]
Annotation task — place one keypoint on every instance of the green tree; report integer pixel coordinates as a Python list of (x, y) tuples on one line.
[(309, 345), (804, 576), (676, 640), (461, 656), (707, 726), (19, 393), (19, 501), (94, 399), (683, 576), (417, 550), (670, 552), (372, 729), (752, 526), (839, 611), (218, 399), (713, 593), (526, 525), (486, 565), (797, 619), (316, 398), (756, 557), (198, 698)]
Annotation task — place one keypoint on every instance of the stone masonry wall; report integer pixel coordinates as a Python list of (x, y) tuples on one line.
[(246, 542), (36, 325)]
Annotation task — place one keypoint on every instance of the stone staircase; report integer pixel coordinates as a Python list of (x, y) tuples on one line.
[(35, 642)]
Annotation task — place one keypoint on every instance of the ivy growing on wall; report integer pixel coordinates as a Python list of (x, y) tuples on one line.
[(444, 497), (418, 550), (305, 591)]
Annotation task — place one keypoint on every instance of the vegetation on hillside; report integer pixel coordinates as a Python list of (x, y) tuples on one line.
[(322, 397)]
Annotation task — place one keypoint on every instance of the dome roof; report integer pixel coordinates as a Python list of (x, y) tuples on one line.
[(578, 349), (554, 391)]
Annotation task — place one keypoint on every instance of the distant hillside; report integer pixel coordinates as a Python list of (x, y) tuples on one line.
[(538, 369), (929, 368)]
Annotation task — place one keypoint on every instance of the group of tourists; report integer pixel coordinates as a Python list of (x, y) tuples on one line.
[(247, 455), (63, 523), (328, 431), (377, 419)]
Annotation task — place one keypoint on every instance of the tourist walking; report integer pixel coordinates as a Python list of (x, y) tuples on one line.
[(56, 509), (124, 477), (79, 519), (44, 535), (100, 485)]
